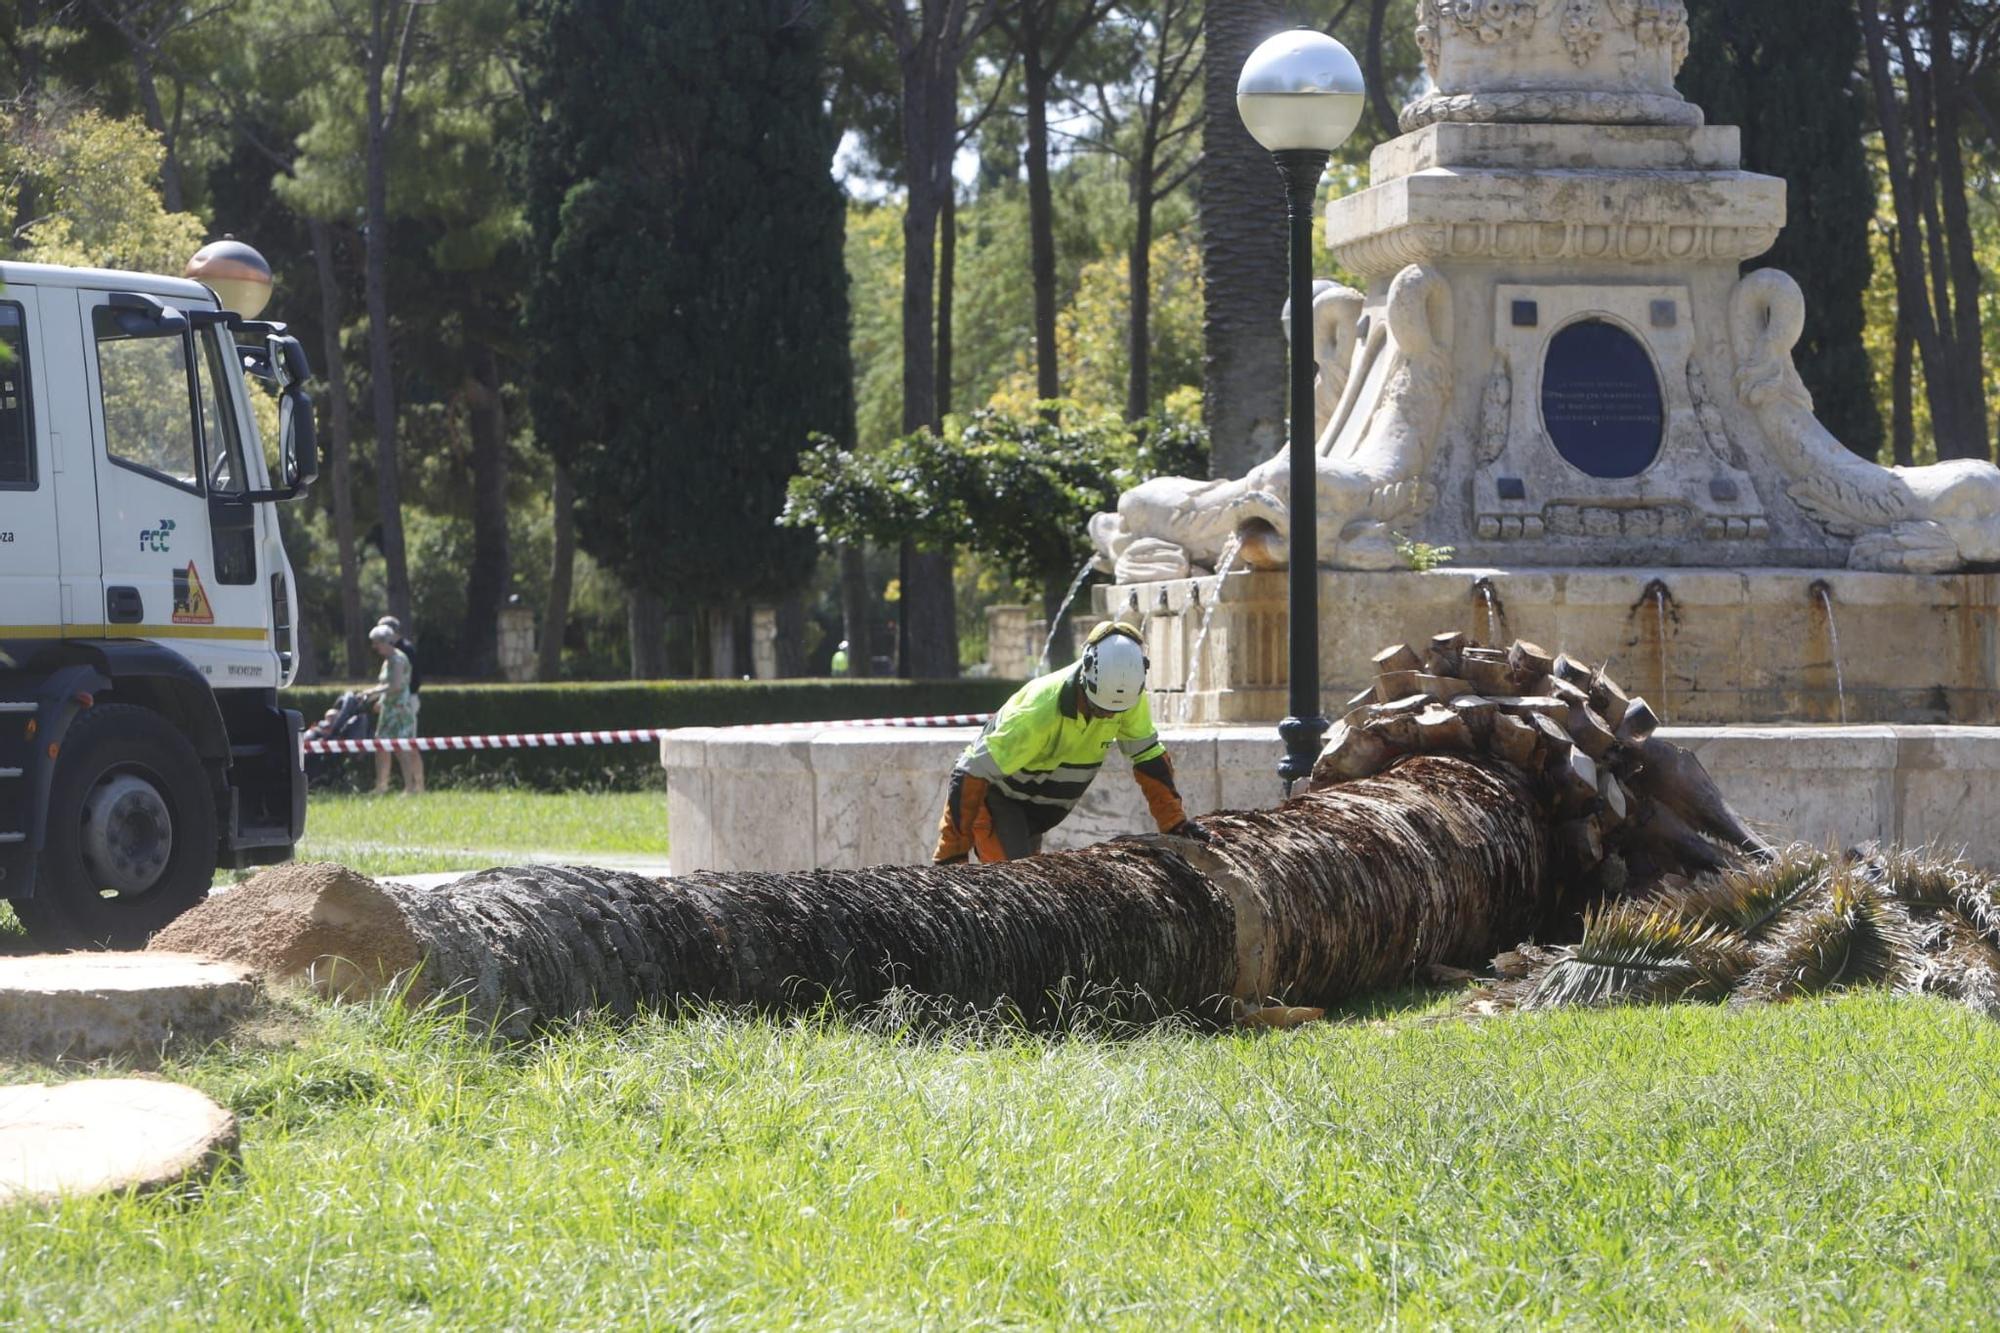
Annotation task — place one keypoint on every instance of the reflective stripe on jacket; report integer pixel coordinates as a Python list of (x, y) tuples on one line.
[(1041, 748)]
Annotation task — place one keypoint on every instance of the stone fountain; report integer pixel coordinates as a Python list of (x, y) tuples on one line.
[(1554, 364), (1557, 368)]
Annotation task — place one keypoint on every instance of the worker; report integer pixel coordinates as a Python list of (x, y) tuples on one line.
[(1039, 753), (839, 665)]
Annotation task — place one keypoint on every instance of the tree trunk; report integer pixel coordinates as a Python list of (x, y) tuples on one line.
[(929, 612), (854, 612), (946, 280), (171, 194), (1378, 83), (486, 585), (1243, 252), (646, 628), (1902, 395), (791, 643), (1139, 291), (1974, 440), (1338, 892), (381, 365), (1912, 301), (1041, 207), (1940, 381), (562, 569), (720, 664), (354, 634), (27, 15), (928, 634)]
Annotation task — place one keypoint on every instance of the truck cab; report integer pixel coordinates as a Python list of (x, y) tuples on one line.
[(145, 599)]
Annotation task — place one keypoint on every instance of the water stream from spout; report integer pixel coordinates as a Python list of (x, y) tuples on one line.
[(1492, 605), (1055, 625), (1833, 636), (1660, 608), (1222, 564)]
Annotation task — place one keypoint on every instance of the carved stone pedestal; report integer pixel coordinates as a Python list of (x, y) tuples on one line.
[(1702, 645)]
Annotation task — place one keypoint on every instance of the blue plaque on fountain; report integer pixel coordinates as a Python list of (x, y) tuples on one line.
[(1601, 400)]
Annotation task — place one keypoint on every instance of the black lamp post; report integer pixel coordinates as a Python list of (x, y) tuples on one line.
[(1300, 96)]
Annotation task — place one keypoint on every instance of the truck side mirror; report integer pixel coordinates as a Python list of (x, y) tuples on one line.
[(298, 440)]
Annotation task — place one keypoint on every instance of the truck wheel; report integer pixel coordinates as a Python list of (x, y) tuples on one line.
[(130, 842)]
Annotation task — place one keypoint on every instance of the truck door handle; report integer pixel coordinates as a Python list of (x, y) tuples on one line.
[(123, 606)]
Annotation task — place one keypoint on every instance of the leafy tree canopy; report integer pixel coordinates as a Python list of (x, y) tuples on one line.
[(1018, 488)]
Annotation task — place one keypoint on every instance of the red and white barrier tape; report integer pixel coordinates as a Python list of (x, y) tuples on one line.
[(633, 736)]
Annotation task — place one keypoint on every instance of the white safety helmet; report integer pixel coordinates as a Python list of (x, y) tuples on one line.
[(1113, 672)]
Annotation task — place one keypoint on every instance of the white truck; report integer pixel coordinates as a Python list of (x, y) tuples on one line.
[(146, 604)]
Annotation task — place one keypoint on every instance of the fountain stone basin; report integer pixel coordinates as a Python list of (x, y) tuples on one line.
[(824, 795), (1704, 646)]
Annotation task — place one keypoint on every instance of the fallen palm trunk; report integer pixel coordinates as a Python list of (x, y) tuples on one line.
[(1343, 890)]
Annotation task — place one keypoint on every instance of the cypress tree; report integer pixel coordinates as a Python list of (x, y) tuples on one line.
[(687, 313), (1786, 72)]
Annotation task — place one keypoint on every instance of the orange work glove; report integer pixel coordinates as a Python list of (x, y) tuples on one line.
[(1156, 779), (964, 812)]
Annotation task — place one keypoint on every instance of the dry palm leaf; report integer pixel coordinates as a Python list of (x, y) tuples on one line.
[(1640, 953)]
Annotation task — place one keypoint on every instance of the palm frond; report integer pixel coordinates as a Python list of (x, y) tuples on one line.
[(1857, 935), (1753, 902), (1639, 953), (1960, 962), (1936, 884)]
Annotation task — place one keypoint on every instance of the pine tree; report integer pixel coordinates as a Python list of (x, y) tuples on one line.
[(687, 317), (1786, 72)]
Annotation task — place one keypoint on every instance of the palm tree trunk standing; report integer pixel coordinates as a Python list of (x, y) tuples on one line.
[(562, 570), (1242, 208), (1337, 892), (340, 448)]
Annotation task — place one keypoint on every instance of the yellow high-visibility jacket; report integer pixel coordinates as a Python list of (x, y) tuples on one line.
[(1040, 747)]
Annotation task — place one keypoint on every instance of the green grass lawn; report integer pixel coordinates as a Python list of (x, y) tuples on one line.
[(461, 829), (468, 830), (1821, 1162)]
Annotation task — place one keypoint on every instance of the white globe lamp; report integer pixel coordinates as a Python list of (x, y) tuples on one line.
[(1301, 96)]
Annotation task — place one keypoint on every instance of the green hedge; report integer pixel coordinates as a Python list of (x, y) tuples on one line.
[(483, 710)]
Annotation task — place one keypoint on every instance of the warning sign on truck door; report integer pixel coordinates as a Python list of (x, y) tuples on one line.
[(191, 604)]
